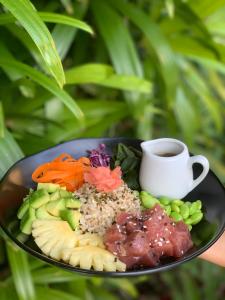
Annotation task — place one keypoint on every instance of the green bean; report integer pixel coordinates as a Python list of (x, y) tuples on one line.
[(175, 208), (194, 208), (177, 217), (178, 202), (196, 218), (184, 211)]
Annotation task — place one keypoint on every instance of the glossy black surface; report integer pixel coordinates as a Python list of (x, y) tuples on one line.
[(17, 181)]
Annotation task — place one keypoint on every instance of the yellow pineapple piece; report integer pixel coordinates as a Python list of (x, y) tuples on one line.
[(87, 257)]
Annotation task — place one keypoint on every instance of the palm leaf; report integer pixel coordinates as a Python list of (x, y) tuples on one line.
[(26, 14), (50, 294), (48, 17), (104, 75), (208, 101), (20, 271), (117, 38), (64, 35), (206, 7), (1, 121), (44, 81), (49, 275), (163, 54), (9, 152)]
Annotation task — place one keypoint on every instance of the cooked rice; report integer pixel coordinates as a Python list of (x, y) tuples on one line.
[(99, 209)]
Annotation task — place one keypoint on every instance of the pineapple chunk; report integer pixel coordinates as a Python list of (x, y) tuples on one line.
[(87, 257), (52, 236)]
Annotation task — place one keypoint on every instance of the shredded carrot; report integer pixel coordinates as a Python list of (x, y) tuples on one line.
[(63, 170)]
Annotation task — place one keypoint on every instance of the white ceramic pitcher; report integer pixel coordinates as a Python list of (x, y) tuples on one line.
[(166, 168)]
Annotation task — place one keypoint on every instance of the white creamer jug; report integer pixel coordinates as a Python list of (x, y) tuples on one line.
[(166, 168)]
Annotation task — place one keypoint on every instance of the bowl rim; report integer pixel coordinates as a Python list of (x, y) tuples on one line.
[(84, 272)]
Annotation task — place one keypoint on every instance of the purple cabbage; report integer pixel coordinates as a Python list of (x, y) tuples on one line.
[(98, 157)]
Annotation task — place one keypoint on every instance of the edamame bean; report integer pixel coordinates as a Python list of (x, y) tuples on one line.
[(175, 208), (184, 211), (167, 209), (164, 200), (188, 221), (177, 217), (177, 202), (193, 208), (196, 218), (136, 193), (199, 204), (189, 227), (147, 200)]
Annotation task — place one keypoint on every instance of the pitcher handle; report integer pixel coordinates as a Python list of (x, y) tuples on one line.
[(200, 159)]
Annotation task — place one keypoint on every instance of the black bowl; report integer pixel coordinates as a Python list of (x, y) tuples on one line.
[(17, 181)]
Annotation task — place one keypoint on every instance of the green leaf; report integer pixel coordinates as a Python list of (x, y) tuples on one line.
[(117, 38), (64, 35), (53, 294), (2, 125), (20, 271), (13, 74), (9, 152), (65, 20), (163, 54), (44, 81), (215, 22), (208, 63), (124, 285), (98, 293), (22, 35), (48, 17), (52, 275), (170, 7), (185, 115), (26, 14), (206, 7), (198, 85), (104, 75), (7, 291), (190, 287), (189, 46), (89, 73), (68, 6)]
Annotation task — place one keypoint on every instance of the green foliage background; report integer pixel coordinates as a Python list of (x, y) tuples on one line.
[(141, 68)]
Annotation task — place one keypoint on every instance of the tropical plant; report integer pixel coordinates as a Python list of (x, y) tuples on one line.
[(135, 68)]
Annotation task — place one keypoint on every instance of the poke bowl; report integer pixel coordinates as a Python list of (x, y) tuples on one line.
[(79, 206)]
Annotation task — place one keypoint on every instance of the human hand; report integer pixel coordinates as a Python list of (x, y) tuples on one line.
[(215, 254)]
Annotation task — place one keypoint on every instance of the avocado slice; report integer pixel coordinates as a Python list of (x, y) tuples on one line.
[(54, 207), (41, 213), (49, 187), (71, 216), (39, 198), (23, 208), (73, 203), (65, 194), (27, 221), (55, 196), (60, 193)]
